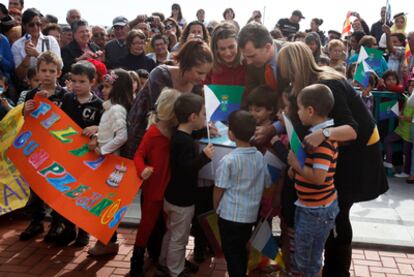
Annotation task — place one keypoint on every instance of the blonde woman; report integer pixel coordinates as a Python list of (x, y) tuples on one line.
[(337, 56), (360, 175)]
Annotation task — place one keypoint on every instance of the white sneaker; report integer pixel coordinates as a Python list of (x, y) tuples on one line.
[(401, 175), (388, 165), (100, 249)]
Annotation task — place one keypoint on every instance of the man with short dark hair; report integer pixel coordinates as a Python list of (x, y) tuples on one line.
[(260, 52), (376, 28), (289, 26), (117, 49)]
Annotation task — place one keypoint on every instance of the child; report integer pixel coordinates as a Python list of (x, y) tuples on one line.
[(143, 76), (391, 82), (83, 107), (396, 49), (112, 131), (49, 67), (366, 94), (6, 104), (180, 193), (152, 161), (136, 82), (316, 207), (260, 103), (33, 81), (401, 133), (241, 178)]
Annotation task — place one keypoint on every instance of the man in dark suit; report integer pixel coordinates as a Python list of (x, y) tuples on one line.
[(260, 52)]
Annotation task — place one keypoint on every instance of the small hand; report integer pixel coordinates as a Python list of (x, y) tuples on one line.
[(29, 105), (93, 144), (275, 139), (292, 160), (98, 150), (213, 130), (209, 151), (90, 131), (5, 103), (43, 93), (147, 172), (386, 29), (263, 133), (30, 49), (291, 173)]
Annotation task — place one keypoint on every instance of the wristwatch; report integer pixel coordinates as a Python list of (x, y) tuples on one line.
[(326, 132)]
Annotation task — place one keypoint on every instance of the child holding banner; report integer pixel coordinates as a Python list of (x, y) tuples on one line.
[(317, 206), (49, 67), (112, 131), (85, 108), (152, 161), (241, 178)]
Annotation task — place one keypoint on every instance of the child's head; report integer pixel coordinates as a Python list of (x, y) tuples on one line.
[(411, 85), (242, 125), (49, 67), (82, 76), (136, 82), (397, 39), (314, 102), (261, 104), (165, 107), (143, 75), (391, 78), (117, 87), (372, 83), (32, 78), (189, 109)]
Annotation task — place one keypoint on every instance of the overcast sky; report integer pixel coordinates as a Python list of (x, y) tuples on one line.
[(333, 12)]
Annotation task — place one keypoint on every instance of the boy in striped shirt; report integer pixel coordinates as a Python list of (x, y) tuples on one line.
[(316, 207)]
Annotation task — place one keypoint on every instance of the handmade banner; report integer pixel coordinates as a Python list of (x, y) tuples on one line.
[(14, 191), (52, 155), (221, 101)]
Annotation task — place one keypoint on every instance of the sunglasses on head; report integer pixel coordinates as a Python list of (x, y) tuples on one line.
[(33, 24)]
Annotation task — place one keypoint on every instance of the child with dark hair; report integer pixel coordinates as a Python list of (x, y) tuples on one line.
[(366, 94), (391, 82), (317, 206), (112, 131), (185, 163), (260, 103), (241, 178), (32, 80), (85, 108), (49, 67), (6, 104)]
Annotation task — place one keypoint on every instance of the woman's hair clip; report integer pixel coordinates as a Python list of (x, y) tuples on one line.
[(111, 77)]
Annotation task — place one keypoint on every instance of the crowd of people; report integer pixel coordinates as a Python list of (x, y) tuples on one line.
[(136, 90)]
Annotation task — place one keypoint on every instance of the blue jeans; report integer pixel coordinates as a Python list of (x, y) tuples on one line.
[(312, 228)]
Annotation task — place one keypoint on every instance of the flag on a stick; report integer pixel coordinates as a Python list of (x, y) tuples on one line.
[(222, 100), (294, 141)]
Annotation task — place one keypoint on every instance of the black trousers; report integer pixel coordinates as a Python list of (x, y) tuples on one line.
[(203, 204), (338, 247), (234, 238), (37, 209)]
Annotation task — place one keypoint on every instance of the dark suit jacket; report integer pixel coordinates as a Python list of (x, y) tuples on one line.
[(72, 51)]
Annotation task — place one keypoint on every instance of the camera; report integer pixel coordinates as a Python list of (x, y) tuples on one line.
[(149, 19)]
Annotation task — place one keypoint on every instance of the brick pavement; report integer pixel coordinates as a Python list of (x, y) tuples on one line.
[(35, 258)]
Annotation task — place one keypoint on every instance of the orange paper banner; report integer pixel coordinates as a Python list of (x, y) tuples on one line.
[(91, 191)]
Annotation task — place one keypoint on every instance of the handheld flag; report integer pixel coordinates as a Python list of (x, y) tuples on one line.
[(294, 141), (221, 101), (275, 165), (346, 30), (369, 60), (387, 12), (262, 240), (388, 110), (407, 53)]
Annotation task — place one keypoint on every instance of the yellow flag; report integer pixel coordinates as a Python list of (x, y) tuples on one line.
[(14, 192)]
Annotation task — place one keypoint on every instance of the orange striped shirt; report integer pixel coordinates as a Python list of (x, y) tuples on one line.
[(322, 157)]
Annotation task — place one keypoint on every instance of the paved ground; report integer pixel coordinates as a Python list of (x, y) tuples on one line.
[(379, 225)]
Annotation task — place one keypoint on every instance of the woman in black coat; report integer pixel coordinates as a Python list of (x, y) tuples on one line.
[(360, 175)]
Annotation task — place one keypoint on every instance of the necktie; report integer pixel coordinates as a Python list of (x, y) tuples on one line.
[(270, 77)]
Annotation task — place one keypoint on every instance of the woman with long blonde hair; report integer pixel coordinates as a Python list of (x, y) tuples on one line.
[(360, 175)]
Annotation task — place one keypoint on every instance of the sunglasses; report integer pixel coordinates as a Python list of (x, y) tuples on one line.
[(33, 24)]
